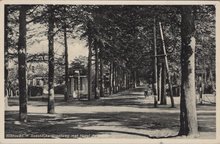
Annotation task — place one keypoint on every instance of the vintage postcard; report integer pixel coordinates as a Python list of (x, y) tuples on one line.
[(109, 71)]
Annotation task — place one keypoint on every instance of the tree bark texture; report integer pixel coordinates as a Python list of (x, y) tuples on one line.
[(159, 82), (89, 63), (154, 86), (66, 94), (110, 79), (51, 101), (113, 77), (124, 80), (96, 71), (6, 57), (163, 86), (101, 77), (129, 80), (22, 65), (188, 116), (134, 79), (116, 79)]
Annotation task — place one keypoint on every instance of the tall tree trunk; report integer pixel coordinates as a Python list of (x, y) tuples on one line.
[(204, 73), (188, 116), (22, 65), (89, 63), (135, 79), (129, 79), (110, 79), (159, 82), (126, 80), (113, 77), (6, 57), (96, 71), (211, 78), (119, 79), (132, 79), (101, 76), (123, 80), (51, 101), (155, 65), (116, 79), (163, 86), (66, 94)]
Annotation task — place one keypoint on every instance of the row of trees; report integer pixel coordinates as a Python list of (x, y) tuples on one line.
[(120, 39)]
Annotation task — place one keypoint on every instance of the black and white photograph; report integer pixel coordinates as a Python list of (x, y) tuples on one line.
[(98, 71)]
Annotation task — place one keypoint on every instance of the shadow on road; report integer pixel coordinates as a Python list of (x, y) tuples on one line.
[(74, 125), (133, 115)]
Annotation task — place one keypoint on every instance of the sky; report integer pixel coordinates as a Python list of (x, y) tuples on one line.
[(38, 43), (76, 47)]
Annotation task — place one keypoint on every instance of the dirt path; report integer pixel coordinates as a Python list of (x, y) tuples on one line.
[(125, 115)]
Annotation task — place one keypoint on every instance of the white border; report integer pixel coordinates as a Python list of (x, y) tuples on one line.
[(101, 141)]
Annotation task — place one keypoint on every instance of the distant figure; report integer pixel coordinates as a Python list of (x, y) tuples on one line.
[(148, 91)]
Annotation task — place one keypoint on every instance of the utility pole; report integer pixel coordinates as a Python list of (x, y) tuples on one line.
[(167, 67)]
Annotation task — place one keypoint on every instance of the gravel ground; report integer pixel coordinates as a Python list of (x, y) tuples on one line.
[(124, 115)]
